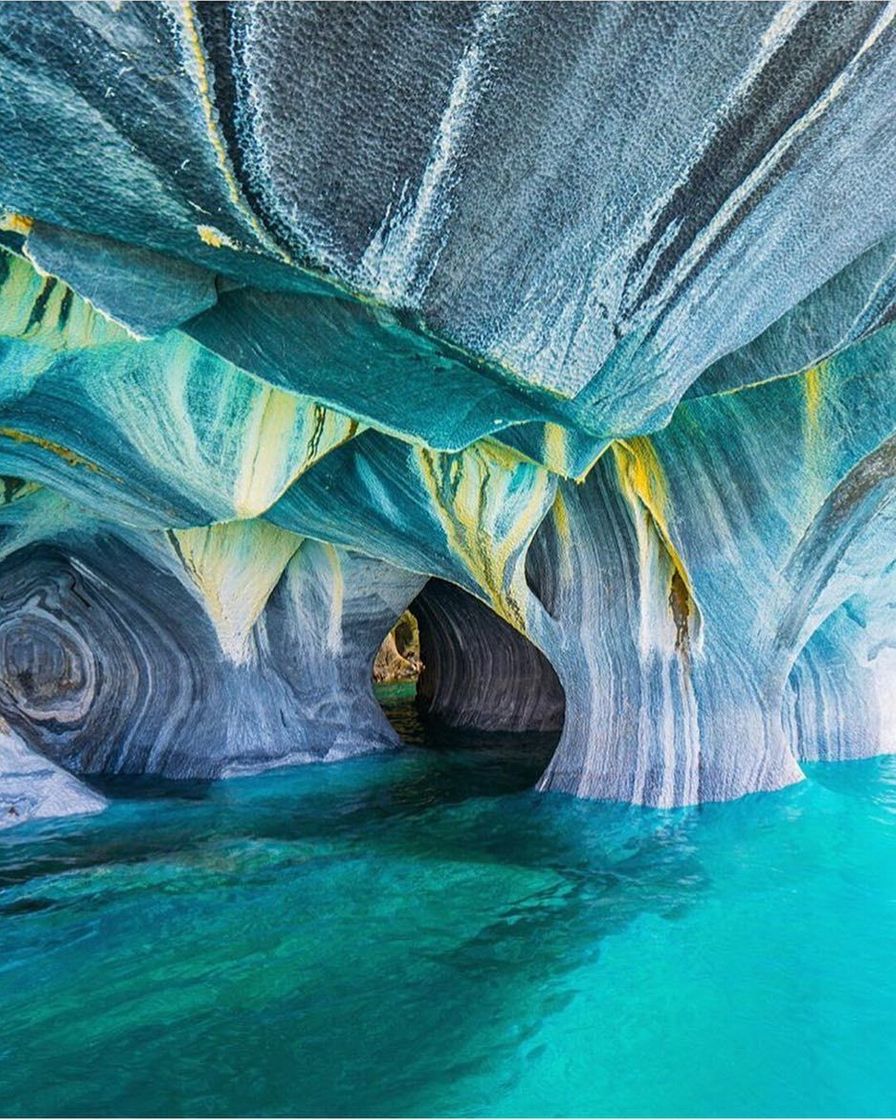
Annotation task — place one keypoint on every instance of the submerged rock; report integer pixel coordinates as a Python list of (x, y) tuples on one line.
[(585, 310)]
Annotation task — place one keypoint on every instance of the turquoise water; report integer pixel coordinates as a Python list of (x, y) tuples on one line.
[(420, 934)]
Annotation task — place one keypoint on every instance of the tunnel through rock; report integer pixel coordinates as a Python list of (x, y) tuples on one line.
[(478, 672), (474, 674), (486, 701)]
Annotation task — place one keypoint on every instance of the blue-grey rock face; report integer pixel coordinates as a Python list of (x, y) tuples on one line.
[(32, 787), (583, 309), (113, 642)]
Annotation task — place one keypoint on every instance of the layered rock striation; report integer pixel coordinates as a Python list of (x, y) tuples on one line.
[(573, 323)]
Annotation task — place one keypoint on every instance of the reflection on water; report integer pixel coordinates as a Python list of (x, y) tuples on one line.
[(421, 934)]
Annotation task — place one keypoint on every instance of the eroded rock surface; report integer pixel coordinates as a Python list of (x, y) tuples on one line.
[(33, 788), (584, 310)]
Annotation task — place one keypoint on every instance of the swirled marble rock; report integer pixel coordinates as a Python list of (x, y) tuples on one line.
[(764, 147), (584, 310), (193, 653)]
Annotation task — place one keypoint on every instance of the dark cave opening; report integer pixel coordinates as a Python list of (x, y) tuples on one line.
[(478, 672), (476, 685)]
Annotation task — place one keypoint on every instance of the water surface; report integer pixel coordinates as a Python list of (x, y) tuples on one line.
[(420, 934)]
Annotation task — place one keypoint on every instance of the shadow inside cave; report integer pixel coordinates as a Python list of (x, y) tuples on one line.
[(483, 697)]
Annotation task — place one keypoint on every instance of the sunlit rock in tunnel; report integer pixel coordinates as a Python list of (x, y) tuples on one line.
[(398, 658)]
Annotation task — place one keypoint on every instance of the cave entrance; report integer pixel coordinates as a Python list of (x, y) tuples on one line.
[(453, 676)]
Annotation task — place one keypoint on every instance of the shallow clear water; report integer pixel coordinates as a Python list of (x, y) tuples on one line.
[(419, 934)]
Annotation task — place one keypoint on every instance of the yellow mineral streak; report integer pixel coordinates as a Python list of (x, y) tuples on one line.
[(284, 436), (235, 565), (555, 449), (557, 454), (65, 453), (643, 482), (216, 238), (760, 382), (197, 52), (488, 500), (817, 445), (560, 516), (642, 476), (813, 385), (16, 223), (35, 307), (269, 439)]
